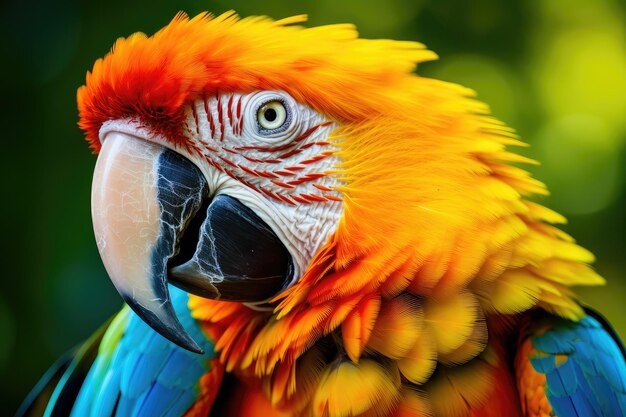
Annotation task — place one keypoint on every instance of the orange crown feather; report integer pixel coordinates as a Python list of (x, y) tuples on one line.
[(436, 232)]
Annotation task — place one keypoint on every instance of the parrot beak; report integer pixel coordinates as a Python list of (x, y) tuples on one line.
[(155, 222)]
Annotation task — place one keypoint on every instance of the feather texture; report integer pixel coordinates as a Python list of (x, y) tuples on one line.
[(436, 234), (573, 369), (455, 392), (397, 328), (357, 327), (350, 389), (139, 373)]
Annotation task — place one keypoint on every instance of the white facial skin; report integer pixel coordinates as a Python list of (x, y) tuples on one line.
[(269, 152)]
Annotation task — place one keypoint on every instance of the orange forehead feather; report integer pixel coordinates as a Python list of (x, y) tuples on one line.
[(327, 67)]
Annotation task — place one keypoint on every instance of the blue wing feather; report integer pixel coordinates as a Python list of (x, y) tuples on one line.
[(584, 366), (138, 373)]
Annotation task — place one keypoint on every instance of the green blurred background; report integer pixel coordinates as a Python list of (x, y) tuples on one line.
[(553, 69)]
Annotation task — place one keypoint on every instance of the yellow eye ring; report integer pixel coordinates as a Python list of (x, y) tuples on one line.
[(271, 116)]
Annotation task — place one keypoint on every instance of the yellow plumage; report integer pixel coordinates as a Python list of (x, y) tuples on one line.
[(349, 389), (398, 327), (418, 364), (454, 392)]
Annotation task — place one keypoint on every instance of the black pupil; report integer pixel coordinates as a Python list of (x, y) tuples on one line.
[(270, 115)]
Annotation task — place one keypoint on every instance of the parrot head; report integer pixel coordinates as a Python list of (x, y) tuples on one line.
[(235, 212), (302, 182)]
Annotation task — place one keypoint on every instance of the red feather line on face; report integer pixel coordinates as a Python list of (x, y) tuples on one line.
[(239, 117), (230, 167), (247, 174), (210, 117)]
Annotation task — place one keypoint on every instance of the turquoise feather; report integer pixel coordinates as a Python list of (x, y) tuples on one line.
[(138, 373), (592, 380)]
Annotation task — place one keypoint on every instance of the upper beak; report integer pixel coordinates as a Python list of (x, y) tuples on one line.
[(147, 201)]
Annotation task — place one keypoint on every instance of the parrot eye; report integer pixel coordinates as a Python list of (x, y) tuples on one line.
[(272, 117)]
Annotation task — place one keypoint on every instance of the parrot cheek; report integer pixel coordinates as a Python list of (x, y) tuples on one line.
[(155, 223)]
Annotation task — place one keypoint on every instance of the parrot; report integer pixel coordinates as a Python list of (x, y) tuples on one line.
[(301, 225)]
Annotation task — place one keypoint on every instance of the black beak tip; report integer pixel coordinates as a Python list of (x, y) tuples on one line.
[(166, 324)]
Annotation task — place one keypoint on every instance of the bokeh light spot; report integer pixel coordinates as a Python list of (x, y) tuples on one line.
[(580, 163), (494, 83), (579, 63)]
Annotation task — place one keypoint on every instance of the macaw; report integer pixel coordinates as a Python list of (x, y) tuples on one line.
[(302, 226)]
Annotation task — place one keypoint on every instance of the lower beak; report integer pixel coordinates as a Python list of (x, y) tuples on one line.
[(148, 202)]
